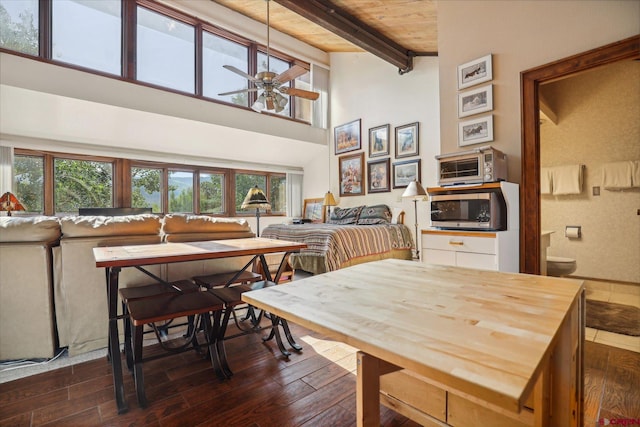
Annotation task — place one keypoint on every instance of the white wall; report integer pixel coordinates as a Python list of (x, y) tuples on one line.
[(520, 35), (367, 88)]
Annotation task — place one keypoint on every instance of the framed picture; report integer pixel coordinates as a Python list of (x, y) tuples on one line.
[(475, 101), (474, 72), (313, 210), (405, 172), (352, 175), (475, 131), (407, 140), (379, 141), (379, 175), (347, 137)]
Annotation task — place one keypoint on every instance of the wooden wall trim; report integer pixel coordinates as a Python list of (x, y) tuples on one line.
[(530, 81)]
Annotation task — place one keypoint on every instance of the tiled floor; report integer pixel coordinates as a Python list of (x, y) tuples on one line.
[(620, 293)]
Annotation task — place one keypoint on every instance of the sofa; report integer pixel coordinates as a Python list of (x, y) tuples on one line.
[(70, 291), (27, 329)]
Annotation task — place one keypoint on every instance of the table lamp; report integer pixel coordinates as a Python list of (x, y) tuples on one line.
[(9, 203), (256, 199), (329, 201), (417, 192)]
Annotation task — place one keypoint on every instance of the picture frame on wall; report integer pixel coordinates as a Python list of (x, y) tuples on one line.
[(379, 141), (346, 137), (313, 210), (475, 131), (474, 72), (408, 140), (351, 172), (405, 172), (379, 175), (475, 101)]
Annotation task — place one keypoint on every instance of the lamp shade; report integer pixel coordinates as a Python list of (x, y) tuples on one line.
[(414, 189), (9, 202), (256, 199), (329, 200)]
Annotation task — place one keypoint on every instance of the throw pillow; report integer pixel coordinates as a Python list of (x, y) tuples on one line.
[(378, 214), (346, 215)]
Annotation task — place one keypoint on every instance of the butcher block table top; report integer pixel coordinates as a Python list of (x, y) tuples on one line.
[(160, 253), (481, 333)]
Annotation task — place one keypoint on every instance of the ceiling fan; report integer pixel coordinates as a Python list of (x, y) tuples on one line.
[(272, 85)]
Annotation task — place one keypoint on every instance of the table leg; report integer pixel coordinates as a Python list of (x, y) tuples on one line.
[(287, 334), (275, 320), (368, 391), (114, 340)]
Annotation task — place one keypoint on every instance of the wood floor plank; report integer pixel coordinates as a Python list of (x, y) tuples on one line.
[(312, 388)]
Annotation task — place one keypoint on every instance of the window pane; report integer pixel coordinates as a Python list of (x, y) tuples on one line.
[(82, 184), (180, 191), (165, 51), (243, 183), (145, 189), (88, 33), (216, 52), (277, 66), (19, 25), (29, 177), (211, 193), (278, 194), (303, 106)]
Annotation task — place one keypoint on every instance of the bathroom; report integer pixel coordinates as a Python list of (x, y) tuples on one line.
[(589, 121)]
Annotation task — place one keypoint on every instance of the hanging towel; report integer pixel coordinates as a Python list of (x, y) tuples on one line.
[(566, 179), (635, 175), (617, 175), (545, 181)]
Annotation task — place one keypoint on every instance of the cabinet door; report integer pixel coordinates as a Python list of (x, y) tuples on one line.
[(437, 256)]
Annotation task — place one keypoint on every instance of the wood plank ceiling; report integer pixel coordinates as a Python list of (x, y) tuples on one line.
[(394, 30)]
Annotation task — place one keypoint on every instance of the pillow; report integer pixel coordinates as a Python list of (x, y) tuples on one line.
[(395, 215), (345, 216), (378, 214)]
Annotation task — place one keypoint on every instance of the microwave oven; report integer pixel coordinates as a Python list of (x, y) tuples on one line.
[(478, 166), (471, 209)]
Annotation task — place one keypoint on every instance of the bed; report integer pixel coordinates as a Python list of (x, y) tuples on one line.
[(354, 236)]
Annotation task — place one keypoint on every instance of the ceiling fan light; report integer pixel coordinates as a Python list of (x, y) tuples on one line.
[(269, 101), (281, 101), (258, 106)]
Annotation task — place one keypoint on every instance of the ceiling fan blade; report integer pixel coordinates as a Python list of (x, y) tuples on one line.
[(299, 93), (240, 72), (253, 89), (292, 73)]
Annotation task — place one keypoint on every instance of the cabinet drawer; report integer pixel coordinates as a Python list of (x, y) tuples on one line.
[(460, 243), (437, 256), (474, 260)]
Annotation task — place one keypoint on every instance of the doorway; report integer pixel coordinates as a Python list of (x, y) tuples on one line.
[(530, 222)]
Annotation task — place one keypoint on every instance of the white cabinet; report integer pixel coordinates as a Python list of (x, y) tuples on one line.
[(485, 250)]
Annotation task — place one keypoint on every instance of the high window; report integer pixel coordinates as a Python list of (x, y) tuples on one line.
[(165, 51), (216, 52), (19, 25), (164, 48), (88, 33)]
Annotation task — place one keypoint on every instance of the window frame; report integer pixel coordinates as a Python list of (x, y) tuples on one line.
[(129, 47), (122, 181)]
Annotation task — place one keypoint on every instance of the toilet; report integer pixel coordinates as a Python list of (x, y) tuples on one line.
[(560, 266)]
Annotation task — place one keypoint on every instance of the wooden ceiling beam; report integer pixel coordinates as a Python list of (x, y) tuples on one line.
[(330, 17)]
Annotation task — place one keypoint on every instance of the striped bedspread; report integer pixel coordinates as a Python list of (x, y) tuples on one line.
[(331, 247)]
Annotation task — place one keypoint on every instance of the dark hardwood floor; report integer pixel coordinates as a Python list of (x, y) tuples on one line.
[(313, 388)]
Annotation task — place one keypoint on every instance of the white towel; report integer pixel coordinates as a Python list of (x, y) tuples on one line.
[(617, 175), (566, 179), (545, 181), (635, 175)]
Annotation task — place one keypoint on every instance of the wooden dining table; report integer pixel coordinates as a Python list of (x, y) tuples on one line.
[(114, 258), (449, 345)]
